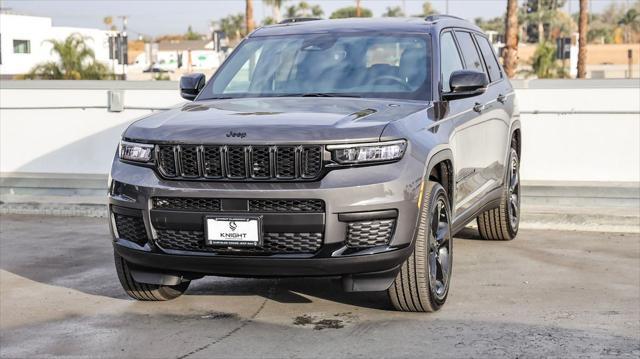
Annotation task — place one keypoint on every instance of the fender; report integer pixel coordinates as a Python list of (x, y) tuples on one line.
[(515, 125), (442, 154)]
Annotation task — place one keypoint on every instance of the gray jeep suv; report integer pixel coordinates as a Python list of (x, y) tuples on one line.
[(350, 148)]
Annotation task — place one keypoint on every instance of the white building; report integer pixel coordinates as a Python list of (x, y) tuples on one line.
[(23, 43), (183, 54)]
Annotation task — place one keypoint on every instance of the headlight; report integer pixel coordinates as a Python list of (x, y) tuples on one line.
[(368, 152), (138, 152)]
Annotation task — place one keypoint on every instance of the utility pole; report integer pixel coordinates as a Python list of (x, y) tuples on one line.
[(358, 12), (446, 7)]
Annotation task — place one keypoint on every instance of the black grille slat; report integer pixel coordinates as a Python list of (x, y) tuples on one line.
[(167, 160), (274, 243), (212, 166), (189, 160), (131, 228), (311, 161), (286, 162), (240, 163), (260, 162), (236, 162), (370, 233)]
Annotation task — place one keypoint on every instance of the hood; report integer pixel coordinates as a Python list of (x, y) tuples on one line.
[(273, 120)]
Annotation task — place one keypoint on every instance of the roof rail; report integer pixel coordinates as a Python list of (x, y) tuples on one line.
[(298, 19), (432, 18)]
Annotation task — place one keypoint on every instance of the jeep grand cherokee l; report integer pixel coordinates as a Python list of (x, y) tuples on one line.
[(352, 148)]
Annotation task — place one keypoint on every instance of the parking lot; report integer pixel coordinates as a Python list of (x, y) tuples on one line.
[(547, 293)]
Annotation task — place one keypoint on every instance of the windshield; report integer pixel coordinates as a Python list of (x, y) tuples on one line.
[(352, 65)]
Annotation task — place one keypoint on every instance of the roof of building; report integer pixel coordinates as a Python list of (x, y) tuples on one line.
[(413, 24)]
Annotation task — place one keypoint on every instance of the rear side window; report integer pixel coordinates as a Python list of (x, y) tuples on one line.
[(449, 59), (489, 58), (469, 51)]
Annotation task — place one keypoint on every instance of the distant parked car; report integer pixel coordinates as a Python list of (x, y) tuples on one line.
[(155, 69), (352, 148)]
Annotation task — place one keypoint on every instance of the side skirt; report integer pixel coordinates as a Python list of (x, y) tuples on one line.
[(491, 201)]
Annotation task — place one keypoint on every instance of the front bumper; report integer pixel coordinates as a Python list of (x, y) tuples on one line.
[(282, 266), (372, 189)]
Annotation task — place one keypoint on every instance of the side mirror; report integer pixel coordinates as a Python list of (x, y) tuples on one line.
[(191, 85), (466, 83)]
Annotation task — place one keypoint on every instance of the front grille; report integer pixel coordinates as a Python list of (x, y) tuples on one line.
[(131, 228), (254, 205), (370, 233), (286, 162), (274, 243)]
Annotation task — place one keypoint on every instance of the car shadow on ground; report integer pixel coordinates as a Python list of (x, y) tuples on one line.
[(76, 253), (79, 256)]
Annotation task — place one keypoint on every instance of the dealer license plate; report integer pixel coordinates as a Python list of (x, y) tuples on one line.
[(233, 231)]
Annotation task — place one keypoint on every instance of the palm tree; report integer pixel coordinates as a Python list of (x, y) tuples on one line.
[(108, 21), (76, 61), (630, 21), (543, 62), (304, 9), (511, 35), (276, 5), (248, 10), (427, 9), (233, 26), (395, 11), (582, 41)]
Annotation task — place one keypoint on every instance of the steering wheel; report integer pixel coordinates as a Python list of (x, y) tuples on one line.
[(393, 79)]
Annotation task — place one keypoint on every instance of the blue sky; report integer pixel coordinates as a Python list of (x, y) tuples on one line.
[(153, 18)]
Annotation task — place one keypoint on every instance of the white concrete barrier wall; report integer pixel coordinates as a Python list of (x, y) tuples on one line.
[(603, 145)]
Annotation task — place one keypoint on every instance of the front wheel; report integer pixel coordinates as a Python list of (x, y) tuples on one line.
[(144, 291), (422, 285)]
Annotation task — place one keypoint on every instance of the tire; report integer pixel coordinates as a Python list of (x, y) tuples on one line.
[(416, 287), (502, 223), (144, 291)]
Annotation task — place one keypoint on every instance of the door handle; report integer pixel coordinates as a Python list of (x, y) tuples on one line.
[(502, 98), (478, 107)]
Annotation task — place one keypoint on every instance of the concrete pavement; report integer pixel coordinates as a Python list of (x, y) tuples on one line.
[(545, 294)]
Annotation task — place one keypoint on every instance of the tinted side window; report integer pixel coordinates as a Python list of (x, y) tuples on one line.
[(469, 51), (449, 59), (489, 58)]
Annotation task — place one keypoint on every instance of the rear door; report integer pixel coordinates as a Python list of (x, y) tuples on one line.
[(478, 138), (501, 97)]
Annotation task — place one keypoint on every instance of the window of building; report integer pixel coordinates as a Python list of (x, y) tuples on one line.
[(21, 46), (449, 59)]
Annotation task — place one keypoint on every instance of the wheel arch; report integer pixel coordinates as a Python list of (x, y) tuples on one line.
[(440, 169), (516, 134)]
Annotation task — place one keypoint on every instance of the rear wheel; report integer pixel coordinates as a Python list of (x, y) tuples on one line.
[(502, 223), (144, 291), (422, 285)]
